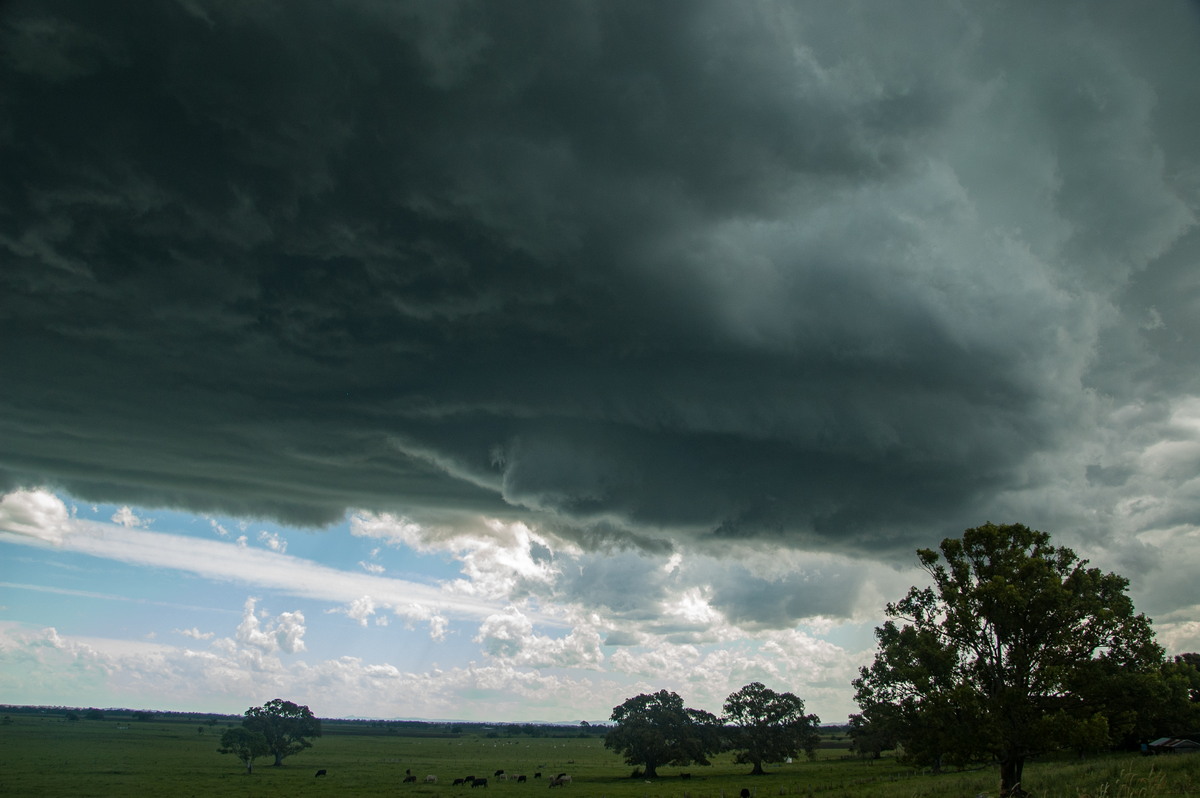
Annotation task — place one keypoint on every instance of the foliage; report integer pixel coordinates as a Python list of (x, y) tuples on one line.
[(656, 730), (286, 726), (991, 660), (768, 726), (1176, 705), (245, 744), (872, 732)]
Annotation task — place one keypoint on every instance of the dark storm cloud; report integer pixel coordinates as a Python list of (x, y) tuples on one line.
[(833, 275)]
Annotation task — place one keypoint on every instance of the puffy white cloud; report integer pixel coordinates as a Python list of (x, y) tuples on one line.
[(126, 517), (509, 637), (500, 560), (37, 514), (361, 609), (196, 634), (273, 541), (285, 633)]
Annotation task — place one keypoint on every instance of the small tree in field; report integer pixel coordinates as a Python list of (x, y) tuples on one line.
[(768, 726), (286, 726), (656, 730), (995, 658), (245, 744)]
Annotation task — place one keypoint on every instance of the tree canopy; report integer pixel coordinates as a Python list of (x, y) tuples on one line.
[(657, 730), (870, 736), (767, 726), (992, 658), (245, 744), (286, 727)]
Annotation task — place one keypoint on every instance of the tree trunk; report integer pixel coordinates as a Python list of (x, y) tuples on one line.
[(278, 760), (1010, 777), (758, 770)]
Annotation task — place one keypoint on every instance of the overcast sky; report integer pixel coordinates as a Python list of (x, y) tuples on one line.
[(501, 361)]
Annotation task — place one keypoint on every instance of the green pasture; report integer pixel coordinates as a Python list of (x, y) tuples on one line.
[(48, 756)]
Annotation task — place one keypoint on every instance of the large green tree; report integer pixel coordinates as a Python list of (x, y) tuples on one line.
[(245, 744), (988, 660), (657, 730), (286, 726), (766, 726)]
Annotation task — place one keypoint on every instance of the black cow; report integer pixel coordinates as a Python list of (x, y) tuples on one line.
[(745, 793), (498, 773), (320, 772), (537, 775), (410, 779), (521, 779), (458, 782), (685, 775), (478, 783)]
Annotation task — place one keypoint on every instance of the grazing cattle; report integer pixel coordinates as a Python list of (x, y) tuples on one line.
[(478, 783), (431, 779), (320, 772), (498, 773), (561, 780), (458, 782), (745, 793), (521, 779), (410, 779), (502, 777), (537, 775)]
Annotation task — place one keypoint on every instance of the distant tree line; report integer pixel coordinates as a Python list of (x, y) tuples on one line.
[(456, 729), (117, 714)]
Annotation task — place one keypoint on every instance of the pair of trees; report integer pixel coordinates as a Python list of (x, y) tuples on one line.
[(760, 724), (1017, 648), (279, 728)]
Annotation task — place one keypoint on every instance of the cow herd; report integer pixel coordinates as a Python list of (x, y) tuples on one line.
[(562, 779)]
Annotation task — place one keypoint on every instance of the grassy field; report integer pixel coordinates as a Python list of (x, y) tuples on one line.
[(48, 756)]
